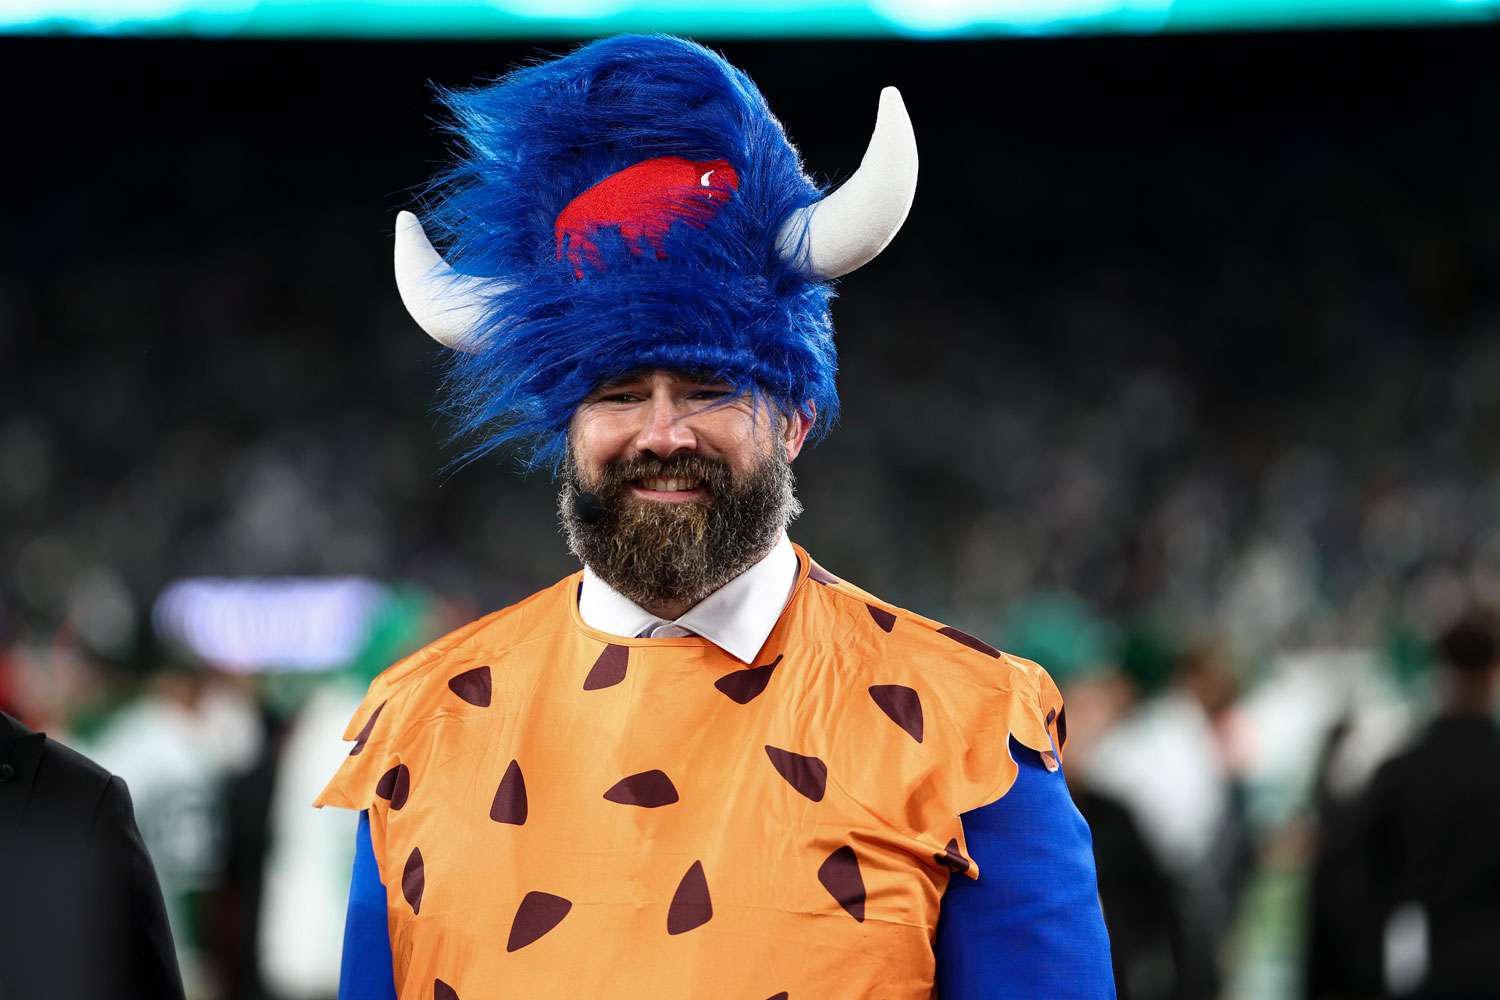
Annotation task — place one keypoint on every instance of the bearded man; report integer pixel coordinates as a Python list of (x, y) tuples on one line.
[(703, 764)]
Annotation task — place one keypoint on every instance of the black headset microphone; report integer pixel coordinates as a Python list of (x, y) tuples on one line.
[(587, 507)]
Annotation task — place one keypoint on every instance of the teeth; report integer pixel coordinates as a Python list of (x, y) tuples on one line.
[(665, 485)]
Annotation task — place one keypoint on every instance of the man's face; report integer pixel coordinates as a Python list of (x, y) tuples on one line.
[(684, 484)]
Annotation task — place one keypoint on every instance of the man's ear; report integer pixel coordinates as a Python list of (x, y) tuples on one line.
[(795, 429)]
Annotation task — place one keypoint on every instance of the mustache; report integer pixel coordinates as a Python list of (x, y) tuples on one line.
[(615, 477)]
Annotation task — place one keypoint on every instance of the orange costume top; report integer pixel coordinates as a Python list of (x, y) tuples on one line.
[(560, 813)]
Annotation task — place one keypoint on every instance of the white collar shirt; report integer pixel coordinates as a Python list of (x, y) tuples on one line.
[(737, 617)]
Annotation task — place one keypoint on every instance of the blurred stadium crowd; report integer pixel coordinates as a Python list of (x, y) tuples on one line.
[(1188, 389)]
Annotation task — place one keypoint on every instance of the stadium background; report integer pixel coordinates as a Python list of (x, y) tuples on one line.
[(1183, 378)]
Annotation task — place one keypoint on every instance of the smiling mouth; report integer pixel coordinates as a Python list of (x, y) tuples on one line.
[(669, 487)]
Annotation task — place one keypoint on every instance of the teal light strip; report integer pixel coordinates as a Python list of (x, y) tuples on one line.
[(736, 18)]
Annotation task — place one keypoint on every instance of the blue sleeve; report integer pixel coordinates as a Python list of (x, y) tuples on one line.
[(366, 972), (1030, 927)]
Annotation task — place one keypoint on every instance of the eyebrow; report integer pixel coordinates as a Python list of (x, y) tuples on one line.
[(623, 378)]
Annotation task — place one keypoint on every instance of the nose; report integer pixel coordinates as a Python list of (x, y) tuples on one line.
[(666, 430)]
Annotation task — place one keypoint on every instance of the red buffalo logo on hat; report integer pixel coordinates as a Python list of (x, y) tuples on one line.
[(643, 201)]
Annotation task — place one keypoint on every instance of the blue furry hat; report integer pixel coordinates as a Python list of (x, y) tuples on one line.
[(715, 296)]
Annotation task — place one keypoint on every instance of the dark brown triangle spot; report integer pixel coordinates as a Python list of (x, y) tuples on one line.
[(808, 775), (691, 906), (1062, 728), (743, 686), (442, 991), (649, 789), (952, 858), (883, 618), (902, 704), (820, 575), (609, 669), (473, 686), (780, 996), (538, 913), (414, 880), (364, 734), (840, 876), (509, 805), (968, 640), (395, 785)]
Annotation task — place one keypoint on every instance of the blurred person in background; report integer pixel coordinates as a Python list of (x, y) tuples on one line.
[(177, 741), (1372, 716), (1139, 898), (1164, 760), (83, 917), (703, 762), (287, 876), (1429, 837)]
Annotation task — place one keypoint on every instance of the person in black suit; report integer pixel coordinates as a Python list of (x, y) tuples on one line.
[(81, 913), (1430, 833)]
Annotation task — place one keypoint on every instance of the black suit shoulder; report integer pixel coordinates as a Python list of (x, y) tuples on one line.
[(69, 782), (95, 923)]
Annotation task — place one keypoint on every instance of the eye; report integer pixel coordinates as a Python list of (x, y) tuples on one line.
[(710, 394)]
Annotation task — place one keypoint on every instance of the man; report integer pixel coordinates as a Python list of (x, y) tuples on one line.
[(1428, 827), (83, 914), (703, 765)]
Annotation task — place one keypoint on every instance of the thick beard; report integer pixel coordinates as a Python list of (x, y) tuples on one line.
[(657, 553)]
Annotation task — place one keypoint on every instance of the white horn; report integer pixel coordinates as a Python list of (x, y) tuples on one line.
[(852, 225), (448, 305)]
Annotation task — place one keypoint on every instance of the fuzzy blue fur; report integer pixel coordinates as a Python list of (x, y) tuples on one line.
[(722, 301)]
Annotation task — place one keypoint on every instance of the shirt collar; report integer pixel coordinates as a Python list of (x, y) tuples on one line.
[(737, 617)]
